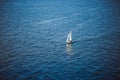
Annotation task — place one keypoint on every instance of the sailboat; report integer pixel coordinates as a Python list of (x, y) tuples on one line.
[(69, 38)]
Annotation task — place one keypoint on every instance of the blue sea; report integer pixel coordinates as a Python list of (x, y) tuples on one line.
[(33, 37)]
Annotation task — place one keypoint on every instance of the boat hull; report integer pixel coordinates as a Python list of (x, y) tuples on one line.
[(70, 42)]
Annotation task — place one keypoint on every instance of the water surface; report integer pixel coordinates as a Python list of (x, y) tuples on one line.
[(33, 40)]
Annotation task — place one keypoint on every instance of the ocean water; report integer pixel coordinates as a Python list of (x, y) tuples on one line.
[(33, 40)]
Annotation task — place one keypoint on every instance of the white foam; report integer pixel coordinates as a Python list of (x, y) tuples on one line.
[(51, 20)]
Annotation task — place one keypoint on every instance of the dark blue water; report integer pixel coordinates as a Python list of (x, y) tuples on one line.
[(33, 40)]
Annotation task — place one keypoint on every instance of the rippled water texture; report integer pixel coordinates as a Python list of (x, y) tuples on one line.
[(33, 40)]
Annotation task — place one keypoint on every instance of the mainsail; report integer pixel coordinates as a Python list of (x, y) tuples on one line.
[(69, 38)]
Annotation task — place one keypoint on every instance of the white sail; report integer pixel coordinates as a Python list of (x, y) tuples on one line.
[(69, 37)]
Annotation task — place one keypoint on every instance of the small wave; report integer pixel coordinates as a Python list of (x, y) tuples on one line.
[(76, 14)]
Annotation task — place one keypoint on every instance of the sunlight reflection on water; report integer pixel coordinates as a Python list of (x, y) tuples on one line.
[(69, 48)]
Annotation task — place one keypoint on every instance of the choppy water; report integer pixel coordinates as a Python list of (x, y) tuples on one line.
[(33, 36)]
